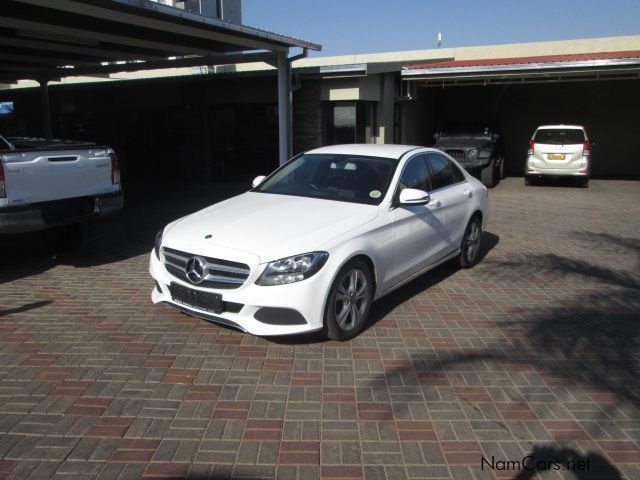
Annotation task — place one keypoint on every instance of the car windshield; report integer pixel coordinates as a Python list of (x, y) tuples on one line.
[(346, 178), (559, 136)]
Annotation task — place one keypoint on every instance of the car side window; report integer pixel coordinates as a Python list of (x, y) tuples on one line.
[(443, 171), (415, 175)]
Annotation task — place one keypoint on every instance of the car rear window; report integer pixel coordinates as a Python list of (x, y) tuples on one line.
[(560, 136)]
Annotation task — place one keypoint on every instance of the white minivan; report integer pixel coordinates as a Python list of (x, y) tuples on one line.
[(558, 150)]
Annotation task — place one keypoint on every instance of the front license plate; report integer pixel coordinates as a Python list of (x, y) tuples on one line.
[(210, 302), (556, 156)]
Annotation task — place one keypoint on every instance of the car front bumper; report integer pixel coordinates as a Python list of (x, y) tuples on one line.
[(264, 310)]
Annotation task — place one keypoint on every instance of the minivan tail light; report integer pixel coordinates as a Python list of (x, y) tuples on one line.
[(3, 191), (115, 169), (532, 145), (586, 148)]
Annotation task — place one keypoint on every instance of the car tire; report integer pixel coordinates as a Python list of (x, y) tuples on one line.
[(583, 182), (349, 301), (529, 181), (488, 175), (471, 242), (501, 175)]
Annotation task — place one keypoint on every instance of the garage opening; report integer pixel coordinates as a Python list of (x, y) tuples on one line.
[(603, 98)]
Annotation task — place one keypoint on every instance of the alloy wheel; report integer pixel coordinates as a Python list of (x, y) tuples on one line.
[(351, 299)]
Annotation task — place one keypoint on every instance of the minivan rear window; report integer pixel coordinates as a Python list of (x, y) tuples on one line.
[(559, 136)]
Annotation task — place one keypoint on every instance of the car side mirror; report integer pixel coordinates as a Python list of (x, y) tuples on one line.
[(413, 196), (258, 180)]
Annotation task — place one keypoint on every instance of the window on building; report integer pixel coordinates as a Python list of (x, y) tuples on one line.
[(350, 122)]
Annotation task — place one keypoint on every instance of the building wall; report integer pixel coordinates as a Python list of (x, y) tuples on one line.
[(307, 116)]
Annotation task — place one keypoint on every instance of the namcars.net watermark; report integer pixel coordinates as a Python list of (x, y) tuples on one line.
[(531, 463)]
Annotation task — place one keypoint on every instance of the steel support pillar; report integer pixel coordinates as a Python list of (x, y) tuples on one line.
[(46, 109), (284, 107)]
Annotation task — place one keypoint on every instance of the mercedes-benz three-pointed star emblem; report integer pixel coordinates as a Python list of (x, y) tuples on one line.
[(196, 269)]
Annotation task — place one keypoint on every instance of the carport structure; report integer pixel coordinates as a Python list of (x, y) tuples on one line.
[(515, 95), (45, 41)]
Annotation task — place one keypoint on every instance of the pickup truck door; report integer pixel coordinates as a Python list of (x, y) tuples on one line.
[(33, 176)]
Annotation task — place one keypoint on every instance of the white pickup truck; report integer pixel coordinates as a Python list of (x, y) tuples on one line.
[(53, 183)]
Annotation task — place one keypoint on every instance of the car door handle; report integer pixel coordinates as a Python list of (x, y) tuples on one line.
[(434, 204), (468, 193)]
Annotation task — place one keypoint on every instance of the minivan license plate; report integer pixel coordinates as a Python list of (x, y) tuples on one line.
[(556, 156), (210, 302)]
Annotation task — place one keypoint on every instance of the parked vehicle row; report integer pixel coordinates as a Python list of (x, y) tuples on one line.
[(311, 246)]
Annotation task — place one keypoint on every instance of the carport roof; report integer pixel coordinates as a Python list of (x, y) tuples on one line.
[(45, 39), (525, 66)]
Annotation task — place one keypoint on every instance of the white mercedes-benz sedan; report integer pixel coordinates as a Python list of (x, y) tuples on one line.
[(314, 244)]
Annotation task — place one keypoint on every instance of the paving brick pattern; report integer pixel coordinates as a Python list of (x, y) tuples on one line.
[(536, 351)]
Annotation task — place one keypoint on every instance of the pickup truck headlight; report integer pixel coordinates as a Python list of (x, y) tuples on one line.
[(292, 269), (158, 243)]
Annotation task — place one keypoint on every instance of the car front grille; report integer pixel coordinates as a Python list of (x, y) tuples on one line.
[(217, 273), (457, 155)]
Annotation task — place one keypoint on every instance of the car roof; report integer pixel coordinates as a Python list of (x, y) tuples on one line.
[(368, 150), (545, 127)]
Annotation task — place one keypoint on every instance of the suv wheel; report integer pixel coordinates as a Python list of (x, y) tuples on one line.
[(488, 174)]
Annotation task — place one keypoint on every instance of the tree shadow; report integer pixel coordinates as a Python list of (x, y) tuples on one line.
[(590, 340), (25, 308), (591, 466)]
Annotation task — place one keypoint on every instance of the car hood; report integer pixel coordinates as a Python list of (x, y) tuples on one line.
[(269, 226), (462, 143)]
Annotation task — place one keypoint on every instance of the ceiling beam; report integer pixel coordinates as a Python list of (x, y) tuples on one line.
[(97, 52), (74, 33)]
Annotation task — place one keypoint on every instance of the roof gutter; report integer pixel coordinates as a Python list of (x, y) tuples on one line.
[(409, 73)]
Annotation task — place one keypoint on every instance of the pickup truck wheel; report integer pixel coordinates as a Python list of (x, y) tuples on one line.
[(470, 248), (488, 175), (349, 301)]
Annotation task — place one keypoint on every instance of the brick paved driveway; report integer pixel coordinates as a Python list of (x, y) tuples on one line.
[(535, 351)]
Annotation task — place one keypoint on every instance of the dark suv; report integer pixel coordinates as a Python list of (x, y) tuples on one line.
[(476, 149)]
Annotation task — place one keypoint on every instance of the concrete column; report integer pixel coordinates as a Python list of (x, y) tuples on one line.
[(284, 107), (46, 109)]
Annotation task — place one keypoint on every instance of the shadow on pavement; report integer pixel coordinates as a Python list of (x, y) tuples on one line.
[(591, 466), (390, 302), (25, 308), (127, 234)]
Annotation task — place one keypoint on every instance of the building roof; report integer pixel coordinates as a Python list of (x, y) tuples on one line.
[(43, 39), (541, 59)]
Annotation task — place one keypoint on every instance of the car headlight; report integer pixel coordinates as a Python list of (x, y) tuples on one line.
[(473, 154), (292, 269), (156, 246)]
